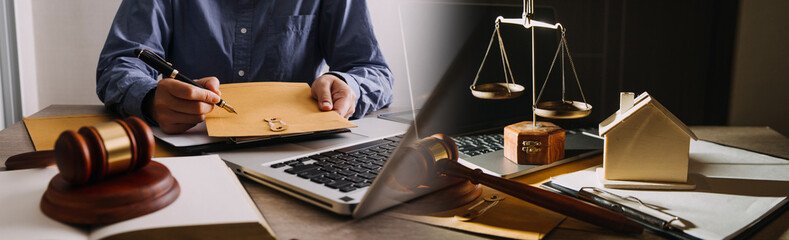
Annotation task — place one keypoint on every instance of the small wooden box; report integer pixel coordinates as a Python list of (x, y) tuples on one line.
[(526, 144)]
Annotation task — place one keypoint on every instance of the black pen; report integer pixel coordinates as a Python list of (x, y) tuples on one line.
[(166, 68)]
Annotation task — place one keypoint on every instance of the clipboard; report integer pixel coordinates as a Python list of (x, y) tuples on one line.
[(737, 193), (649, 216)]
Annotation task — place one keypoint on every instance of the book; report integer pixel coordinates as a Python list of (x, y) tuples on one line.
[(212, 205), (737, 192)]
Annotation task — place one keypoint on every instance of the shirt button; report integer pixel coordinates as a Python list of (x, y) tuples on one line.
[(240, 73), (243, 30)]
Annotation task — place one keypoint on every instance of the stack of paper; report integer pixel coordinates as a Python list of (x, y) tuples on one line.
[(735, 190)]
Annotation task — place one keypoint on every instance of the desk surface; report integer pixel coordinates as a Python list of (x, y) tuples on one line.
[(293, 219)]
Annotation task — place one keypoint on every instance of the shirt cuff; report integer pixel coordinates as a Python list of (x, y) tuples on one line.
[(133, 106)]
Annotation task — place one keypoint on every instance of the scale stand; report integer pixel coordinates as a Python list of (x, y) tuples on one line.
[(532, 142)]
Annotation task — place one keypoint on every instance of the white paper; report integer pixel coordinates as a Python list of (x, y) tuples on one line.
[(209, 195), (734, 189), (197, 135), (21, 217)]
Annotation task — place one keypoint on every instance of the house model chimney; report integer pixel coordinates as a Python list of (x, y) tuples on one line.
[(625, 101)]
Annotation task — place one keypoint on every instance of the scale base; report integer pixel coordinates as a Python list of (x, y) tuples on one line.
[(525, 143)]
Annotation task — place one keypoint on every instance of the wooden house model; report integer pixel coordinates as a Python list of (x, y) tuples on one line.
[(645, 142)]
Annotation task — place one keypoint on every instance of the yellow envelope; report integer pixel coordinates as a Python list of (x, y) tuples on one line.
[(44, 131), (509, 218), (291, 103)]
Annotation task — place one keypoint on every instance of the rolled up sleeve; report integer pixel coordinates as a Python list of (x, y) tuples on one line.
[(122, 80)]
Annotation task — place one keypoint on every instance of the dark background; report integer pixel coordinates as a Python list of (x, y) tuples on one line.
[(680, 52)]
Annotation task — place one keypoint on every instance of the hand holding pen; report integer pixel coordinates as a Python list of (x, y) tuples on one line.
[(178, 103)]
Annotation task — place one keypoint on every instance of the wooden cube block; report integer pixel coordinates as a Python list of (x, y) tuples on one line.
[(526, 144)]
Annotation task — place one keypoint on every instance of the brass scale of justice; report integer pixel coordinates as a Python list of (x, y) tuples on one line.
[(561, 109)]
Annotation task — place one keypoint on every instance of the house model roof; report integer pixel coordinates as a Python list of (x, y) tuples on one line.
[(641, 102)]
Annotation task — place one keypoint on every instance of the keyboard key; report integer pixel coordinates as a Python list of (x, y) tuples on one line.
[(358, 169), (355, 179), (321, 180), (334, 176), (370, 166), (319, 157), (368, 152), (338, 184), (342, 166), (367, 175), (394, 139), (311, 174), (346, 173), (379, 163), (329, 169), (323, 164), (278, 165), (292, 162), (361, 185), (335, 160), (301, 168), (331, 154), (347, 189)]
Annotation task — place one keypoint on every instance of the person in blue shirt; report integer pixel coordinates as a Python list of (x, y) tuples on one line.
[(232, 41)]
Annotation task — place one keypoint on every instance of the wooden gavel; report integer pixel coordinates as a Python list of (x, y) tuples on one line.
[(439, 154), (94, 152)]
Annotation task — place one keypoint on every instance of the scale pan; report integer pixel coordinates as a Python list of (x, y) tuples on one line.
[(497, 90), (563, 109)]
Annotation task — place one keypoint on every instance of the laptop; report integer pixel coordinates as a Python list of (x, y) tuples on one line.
[(353, 173)]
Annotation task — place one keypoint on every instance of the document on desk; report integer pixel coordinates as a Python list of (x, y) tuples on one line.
[(212, 205), (507, 217), (264, 106), (735, 190), (44, 131)]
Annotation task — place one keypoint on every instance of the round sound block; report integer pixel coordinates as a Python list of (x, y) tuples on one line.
[(448, 198), (111, 200)]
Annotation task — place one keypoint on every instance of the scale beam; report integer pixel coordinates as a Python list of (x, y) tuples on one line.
[(527, 23)]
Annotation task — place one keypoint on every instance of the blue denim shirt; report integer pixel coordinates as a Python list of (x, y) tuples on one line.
[(243, 41)]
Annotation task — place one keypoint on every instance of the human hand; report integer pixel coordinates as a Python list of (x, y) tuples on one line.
[(178, 106), (334, 94)]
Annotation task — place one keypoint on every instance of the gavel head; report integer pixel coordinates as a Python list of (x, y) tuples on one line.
[(421, 158), (95, 152)]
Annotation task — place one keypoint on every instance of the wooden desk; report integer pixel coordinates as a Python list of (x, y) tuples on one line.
[(294, 219)]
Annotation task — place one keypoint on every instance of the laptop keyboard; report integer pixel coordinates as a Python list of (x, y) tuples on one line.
[(474, 145), (344, 169)]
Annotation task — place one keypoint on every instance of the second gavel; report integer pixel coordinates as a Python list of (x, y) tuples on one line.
[(439, 154)]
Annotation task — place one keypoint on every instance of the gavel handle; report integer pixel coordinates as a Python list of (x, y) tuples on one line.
[(543, 198), (38, 159)]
